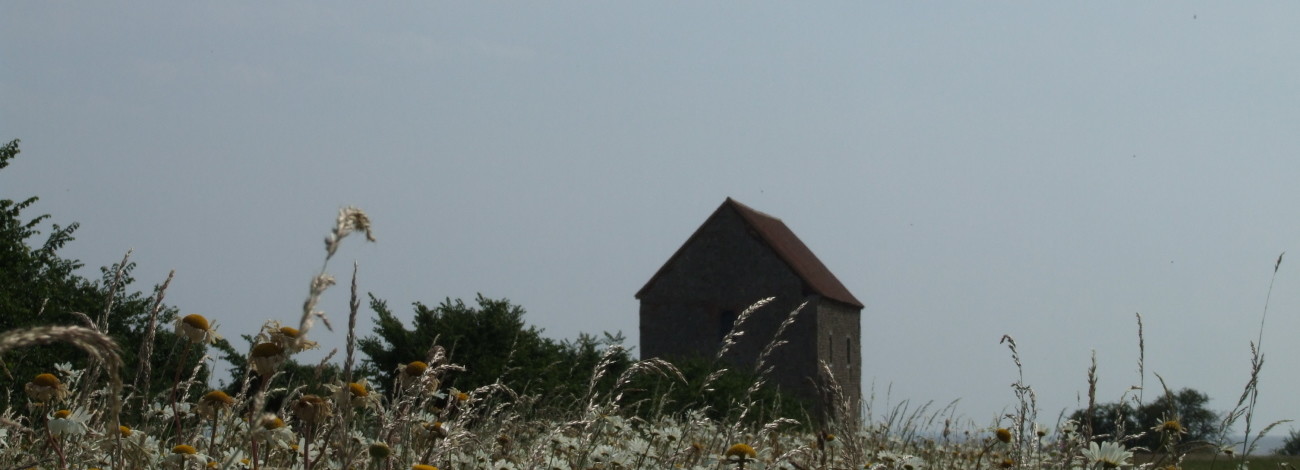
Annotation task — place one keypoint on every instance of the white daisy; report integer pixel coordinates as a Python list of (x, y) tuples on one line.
[(69, 423), (1108, 454)]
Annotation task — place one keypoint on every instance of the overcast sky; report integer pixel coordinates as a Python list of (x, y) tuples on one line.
[(1042, 170)]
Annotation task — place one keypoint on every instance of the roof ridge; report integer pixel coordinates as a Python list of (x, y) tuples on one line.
[(795, 253), (786, 245)]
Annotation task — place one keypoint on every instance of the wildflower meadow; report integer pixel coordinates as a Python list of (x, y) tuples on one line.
[(103, 414)]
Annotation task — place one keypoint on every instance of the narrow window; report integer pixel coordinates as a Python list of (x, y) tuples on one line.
[(830, 349), (848, 350), (726, 320)]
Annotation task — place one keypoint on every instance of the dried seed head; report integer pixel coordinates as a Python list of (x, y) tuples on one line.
[(290, 339), (197, 329), (267, 358), (46, 388), (267, 350), (1003, 435), (379, 451), (312, 409)]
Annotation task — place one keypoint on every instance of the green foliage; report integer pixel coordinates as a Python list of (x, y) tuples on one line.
[(1187, 407), (1290, 446), (39, 287), (493, 343)]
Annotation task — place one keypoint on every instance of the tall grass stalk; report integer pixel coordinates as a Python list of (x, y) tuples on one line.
[(1250, 394), (141, 385)]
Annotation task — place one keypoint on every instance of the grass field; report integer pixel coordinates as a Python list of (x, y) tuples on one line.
[(1200, 462)]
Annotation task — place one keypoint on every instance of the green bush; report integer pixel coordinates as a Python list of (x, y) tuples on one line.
[(40, 287), (493, 343)]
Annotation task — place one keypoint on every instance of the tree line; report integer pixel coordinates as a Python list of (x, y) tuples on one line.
[(489, 337)]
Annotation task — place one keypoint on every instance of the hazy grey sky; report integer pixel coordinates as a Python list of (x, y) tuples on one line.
[(968, 170)]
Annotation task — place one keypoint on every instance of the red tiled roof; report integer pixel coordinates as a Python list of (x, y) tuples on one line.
[(790, 249)]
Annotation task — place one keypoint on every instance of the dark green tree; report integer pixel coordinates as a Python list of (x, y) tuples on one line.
[(1186, 407), (39, 287), (493, 343), (1291, 445)]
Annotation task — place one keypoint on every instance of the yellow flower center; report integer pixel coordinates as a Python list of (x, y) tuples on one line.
[(358, 390), (218, 396), (126, 431), (184, 449), (420, 466), (1003, 434), (46, 380), (272, 422), (1172, 426), (62, 414), (416, 368), (196, 320), (740, 450), (290, 332)]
